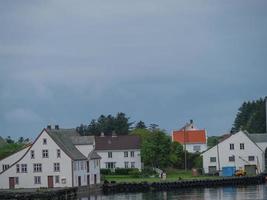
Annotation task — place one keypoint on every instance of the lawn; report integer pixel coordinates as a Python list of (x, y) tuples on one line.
[(172, 175)]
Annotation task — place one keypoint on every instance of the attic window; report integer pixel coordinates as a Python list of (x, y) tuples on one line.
[(44, 141)]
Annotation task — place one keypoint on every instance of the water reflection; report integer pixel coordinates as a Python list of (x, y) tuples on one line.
[(224, 193)]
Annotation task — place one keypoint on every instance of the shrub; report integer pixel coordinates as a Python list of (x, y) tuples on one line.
[(134, 173), (105, 171)]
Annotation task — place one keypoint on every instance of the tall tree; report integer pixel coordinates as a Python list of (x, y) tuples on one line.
[(251, 117), (140, 125)]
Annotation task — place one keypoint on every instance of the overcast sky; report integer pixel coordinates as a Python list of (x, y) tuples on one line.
[(164, 62)]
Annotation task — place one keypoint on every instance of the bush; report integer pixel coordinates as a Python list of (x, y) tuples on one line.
[(135, 173), (105, 171), (148, 171)]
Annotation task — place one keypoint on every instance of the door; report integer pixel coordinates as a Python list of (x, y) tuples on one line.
[(95, 178), (79, 181), (250, 169), (50, 182), (11, 182), (212, 169), (88, 179)]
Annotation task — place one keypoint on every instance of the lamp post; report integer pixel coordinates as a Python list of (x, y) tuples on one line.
[(185, 159)]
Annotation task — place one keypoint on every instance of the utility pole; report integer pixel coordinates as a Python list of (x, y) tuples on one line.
[(185, 159)]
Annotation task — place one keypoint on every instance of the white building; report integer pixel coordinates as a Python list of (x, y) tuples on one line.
[(57, 158), (119, 151), (240, 150), (193, 140)]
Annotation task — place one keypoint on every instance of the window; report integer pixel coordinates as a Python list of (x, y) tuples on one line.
[(32, 154), (16, 180), (45, 153), (58, 153), (56, 167), (44, 141), (132, 164), (18, 169), (126, 165), (37, 180), (110, 165), (212, 159), (56, 179), (231, 158), (5, 167), (132, 153), (232, 146), (242, 146), (37, 167), (125, 154), (196, 148), (109, 154), (81, 165), (251, 158), (23, 168)]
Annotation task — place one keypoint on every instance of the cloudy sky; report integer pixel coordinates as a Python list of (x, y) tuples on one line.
[(164, 62)]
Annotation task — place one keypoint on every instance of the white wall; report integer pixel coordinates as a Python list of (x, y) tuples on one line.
[(12, 158), (224, 152), (26, 180), (85, 149), (190, 147), (119, 159)]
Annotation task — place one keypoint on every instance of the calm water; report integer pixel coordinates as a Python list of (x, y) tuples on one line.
[(225, 193)]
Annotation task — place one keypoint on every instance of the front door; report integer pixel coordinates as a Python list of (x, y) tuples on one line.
[(88, 179), (50, 182), (11, 182), (79, 181), (95, 178)]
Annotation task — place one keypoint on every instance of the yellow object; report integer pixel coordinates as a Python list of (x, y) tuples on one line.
[(240, 172)]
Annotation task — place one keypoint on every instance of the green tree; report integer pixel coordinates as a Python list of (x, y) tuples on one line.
[(251, 117), (140, 125), (212, 141), (176, 155)]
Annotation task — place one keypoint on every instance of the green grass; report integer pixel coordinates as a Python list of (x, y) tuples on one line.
[(172, 175)]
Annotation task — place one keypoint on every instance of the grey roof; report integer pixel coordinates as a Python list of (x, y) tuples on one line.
[(258, 137), (63, 139), (82, 140), (93, 155), (118, 142)]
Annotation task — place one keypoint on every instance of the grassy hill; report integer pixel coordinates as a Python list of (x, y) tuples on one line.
[(2, 141)]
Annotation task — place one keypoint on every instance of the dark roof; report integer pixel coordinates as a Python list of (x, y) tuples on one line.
[(117, 142), (258, 137), (93, 155), (63, 139)]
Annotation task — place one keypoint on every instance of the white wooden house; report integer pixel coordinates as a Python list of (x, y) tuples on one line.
[(121, 151), (57, 158), (240, 150)]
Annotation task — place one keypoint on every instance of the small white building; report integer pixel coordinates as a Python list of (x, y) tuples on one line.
[(240, 150), (121, 151), (57, 158), (193, 140)]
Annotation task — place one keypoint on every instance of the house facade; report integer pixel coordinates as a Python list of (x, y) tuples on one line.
[(53, 160), (119, 151), (193, 140), (240, 150)]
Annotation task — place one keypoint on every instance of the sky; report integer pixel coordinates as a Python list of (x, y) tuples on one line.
[(165, 62)]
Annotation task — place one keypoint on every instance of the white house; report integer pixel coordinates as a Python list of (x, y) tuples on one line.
[(55, 159), (194, 140), (240, 150), (119, 151)]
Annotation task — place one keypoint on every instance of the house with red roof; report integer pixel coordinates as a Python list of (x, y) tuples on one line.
[(193, 139)]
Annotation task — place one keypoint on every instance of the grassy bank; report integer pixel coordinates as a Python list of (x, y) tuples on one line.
[(172, 175)]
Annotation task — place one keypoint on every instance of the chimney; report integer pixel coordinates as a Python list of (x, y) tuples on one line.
[(57, 127), (114, 134), (102, 134), (48, 127), (191, 121)]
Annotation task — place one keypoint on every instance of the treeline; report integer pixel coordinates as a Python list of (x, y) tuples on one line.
[(251, 117)]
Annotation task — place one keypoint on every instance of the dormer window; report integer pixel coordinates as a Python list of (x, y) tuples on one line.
[(44, 141)]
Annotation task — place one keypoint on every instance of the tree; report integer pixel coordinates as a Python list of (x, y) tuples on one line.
[(140, 125), (251, 117), (213, 140), (176, 155)]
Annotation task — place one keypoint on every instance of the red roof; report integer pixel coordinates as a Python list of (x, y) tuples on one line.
[(189, 136)]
